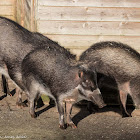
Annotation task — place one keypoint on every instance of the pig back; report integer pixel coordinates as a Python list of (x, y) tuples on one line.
[(113, 59), (51, 68)]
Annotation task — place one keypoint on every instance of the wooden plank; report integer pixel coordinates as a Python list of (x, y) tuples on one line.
[(89, 14), (34, 7), (15, 8), (26, 24), (27, 11), (28, 3), (18, 17), (22, 12), (27, 14), (88, 28), (28, 17), (27, 7), (83, 42), (18, 14), (91, 3), (7, 2), (7, 10)]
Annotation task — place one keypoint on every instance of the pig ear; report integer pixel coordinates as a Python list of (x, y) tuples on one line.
[(82, 69), (80, 73)]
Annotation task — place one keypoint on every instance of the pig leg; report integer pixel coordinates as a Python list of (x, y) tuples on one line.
[(32, 108), (61, 114), (123, 91), (19, 102), (5, 85), (19, 95), (17, 78), (32, 98), (68, 107), (5, 75), (135, 94), (123, 99)]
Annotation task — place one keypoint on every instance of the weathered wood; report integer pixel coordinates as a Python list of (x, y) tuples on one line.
[(27, 23), (83, 42), (33, 12), (77, 24), (28, 3), (7, 10), (91, 3), (7, 2), (26, 14), (22, 12), (89, 13), (89, 28), (27, 7), (18, 14)]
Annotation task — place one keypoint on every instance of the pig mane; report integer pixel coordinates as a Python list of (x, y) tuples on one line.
[(15, 24), (37, 39), (111, 44), (46, 42)]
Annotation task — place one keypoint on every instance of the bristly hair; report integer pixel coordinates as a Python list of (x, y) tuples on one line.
[(111, 44), (37, 39)]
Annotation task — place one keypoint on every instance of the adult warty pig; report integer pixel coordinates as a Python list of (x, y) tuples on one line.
[(118, 61), (46, 70)]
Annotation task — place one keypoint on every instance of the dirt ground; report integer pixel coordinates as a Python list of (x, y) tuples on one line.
[(106, 124)]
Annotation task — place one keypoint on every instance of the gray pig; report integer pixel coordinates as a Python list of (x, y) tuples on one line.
[(48, 71), (120, 62)]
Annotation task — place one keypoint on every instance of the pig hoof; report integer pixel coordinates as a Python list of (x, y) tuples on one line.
[(34, 115), (21, 105), (72, 125), (136, 112), (62, 126)]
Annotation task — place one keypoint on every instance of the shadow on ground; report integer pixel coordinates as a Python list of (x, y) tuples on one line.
[(83, 113)]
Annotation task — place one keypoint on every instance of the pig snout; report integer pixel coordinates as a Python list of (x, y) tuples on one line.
[(97, 98)]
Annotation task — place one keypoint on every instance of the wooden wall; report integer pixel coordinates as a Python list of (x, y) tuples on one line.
[(77, 24), (26, 13), (8, 9)]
